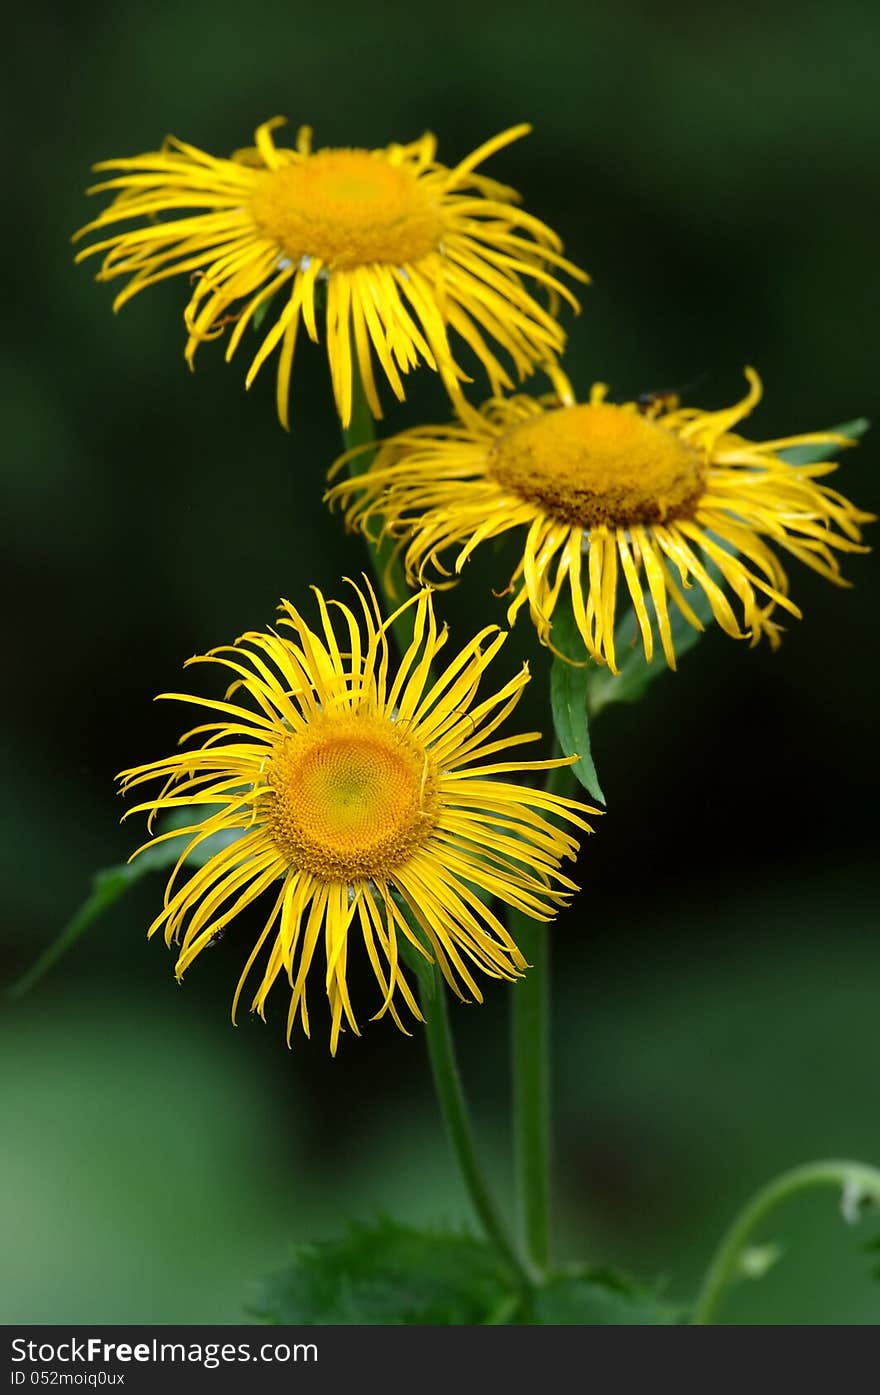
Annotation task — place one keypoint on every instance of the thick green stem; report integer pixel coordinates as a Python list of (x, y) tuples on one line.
[(450, 1093), (531, 1073), (391, 582), (858, 1183)]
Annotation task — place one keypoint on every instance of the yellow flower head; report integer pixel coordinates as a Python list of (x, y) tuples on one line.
[(402, 247), (648, 498), (360, 799)]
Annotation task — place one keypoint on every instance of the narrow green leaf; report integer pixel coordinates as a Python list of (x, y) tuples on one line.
[(636, 674), (568, 700), (109, 885), (387, 1274), (811, 455)]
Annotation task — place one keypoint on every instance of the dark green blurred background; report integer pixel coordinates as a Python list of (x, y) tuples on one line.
[(718, 981)]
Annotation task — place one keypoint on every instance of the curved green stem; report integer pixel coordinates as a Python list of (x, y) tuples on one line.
[(531, 1073), (391, 581), (450, 1093), (858, 1182)]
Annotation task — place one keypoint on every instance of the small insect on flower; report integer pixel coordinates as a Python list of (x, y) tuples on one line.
[(660, 400), (400, 249), (613, 498), (370, 807), (653, 403)]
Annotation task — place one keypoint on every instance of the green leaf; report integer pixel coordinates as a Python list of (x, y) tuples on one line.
[(110, 884), (592, 1298), (811, 455), (568, 700), (387, 1274), (636, 674)]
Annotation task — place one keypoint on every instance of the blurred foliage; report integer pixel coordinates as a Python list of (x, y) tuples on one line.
[(601, 1298), (717, 983), (388, 1273), (110, 884)]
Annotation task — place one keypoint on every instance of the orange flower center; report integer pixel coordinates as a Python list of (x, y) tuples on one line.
[(598, 464), (352, 797), (348, 208)]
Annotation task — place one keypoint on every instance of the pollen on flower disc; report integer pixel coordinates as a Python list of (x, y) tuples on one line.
[(596, 464), (352, 797), (348, 207)]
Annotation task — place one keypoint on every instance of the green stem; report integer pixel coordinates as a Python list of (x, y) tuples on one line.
[(531, 1073), (385, 560), (391, 581), (858, 1182), (450, 1093), (531, 1089)]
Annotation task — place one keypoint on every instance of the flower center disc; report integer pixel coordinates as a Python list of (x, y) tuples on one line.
[(599, 464), (353, 798), (347, 207)]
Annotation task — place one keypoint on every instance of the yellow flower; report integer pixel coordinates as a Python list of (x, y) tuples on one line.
[(403, 247), (649, 498), (360, 799)]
